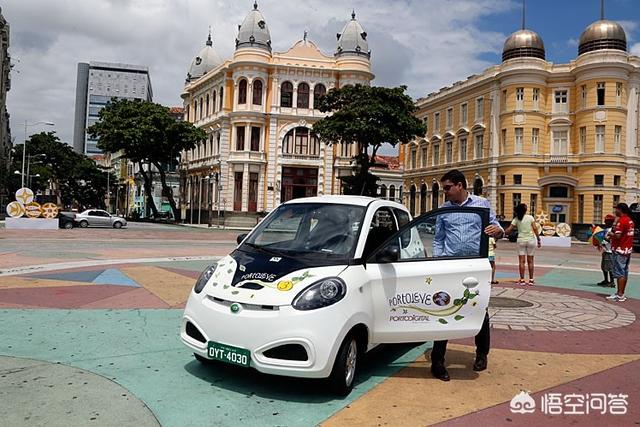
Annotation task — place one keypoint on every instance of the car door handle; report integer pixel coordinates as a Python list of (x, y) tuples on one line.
[(470, 282)]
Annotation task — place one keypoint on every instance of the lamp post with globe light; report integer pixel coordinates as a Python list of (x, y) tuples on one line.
[(24, 145)]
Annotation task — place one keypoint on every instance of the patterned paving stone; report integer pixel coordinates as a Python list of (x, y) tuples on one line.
[(549, 311)]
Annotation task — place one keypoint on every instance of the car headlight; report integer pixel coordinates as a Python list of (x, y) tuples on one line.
[(204, 278), (320, 294)]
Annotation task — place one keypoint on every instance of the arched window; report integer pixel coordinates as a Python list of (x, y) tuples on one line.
[(213, 102), (242, 92), (392, 192), (201, 112), (286, 95), (206, 106), (423, 198), (303, 95), (318, 91), (221, 98), (186, 113), (257, 92), (195, 110), (412, 200), (300, 141), (477, 187), (435, 188), (383, 191)]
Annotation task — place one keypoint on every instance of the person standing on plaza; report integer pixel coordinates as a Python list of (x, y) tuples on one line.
[(528, 239), (454, 185), (492, 259), (606, 264), (621, 237)]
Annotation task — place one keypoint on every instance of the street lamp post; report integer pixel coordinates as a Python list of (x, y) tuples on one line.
[(24, 145)]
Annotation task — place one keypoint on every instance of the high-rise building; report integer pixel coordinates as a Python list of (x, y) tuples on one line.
[(97, 84), (5, 132), (258, 109), (561, 138)]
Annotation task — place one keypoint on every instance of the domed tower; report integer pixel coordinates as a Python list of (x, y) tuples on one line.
[(206, 60), (602, 34), (253, 33), (352, 51), (523, 44)]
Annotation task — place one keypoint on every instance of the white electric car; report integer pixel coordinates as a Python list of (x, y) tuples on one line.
[(322, 280)]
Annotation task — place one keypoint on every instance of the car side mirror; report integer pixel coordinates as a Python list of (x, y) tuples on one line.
[(240, 238), (388, 254)]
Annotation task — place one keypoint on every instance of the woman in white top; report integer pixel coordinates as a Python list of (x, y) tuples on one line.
[(527, 237)]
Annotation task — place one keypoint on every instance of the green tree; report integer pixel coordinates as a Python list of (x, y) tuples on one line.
[(146, 133), (367, 116)]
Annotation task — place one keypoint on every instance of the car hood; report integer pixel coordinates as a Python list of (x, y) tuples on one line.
[(264, 279)]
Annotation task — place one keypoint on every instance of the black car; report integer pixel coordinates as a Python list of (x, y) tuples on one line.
[(635, 216), (65, 220)]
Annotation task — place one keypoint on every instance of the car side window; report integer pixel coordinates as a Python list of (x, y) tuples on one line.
[(93, 213), (447, 233), (382, 227), (402, 217)]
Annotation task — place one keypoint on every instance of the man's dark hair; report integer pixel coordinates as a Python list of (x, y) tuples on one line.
[(624, 208), (456, 177)]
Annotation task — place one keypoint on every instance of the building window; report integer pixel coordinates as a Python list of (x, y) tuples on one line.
[(449, 118), (392, 192), (242, 92), (239, 138), (536, 99), (503, 142), (478, 152), (424, 157), (463, 149), (463, 114), (583, 140), (600, 94), (519, 98), (597, 208), (516, 200), (201, 109), (257, 92), (221, 99), (559, 142), (559, 192), (503, 179), (616, 199), (518, 143), (502, 204), (255, 138), (581, 209), (345, 150), (503, 100), (436, 122), (598, 180), (413, 159), (517, 179), (206, 106), (560, 104), (300, 141), (448, 151), (535, 140), (286, 95), (214, 105), (616, 180), (583, 96), (436, 154), (303, 95), (318, 91), (619, 94), (599, 139), (479, 108), (617, 136), (533, 204)]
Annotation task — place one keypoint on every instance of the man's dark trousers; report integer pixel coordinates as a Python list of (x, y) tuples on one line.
[(483, 343)]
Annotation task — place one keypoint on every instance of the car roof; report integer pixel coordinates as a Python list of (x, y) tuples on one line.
[(346, 200)]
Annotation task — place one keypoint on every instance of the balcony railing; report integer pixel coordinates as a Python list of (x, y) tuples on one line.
[(557, 158), (300, 156)]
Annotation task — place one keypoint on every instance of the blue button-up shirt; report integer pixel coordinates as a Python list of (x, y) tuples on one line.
[(459, 234)]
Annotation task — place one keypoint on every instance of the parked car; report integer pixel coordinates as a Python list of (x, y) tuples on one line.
[(99, 218), (635, 216), (66, 220), (322, 280)]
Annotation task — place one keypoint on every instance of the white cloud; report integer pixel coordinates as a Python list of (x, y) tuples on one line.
[(635, 49), (572, 42), (424, 44)]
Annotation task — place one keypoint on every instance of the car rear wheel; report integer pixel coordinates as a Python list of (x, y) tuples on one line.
[(343, 374), (67, 225), (117, 224), (84, 224)]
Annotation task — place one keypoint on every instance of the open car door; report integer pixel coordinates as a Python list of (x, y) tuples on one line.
[(432, 279)]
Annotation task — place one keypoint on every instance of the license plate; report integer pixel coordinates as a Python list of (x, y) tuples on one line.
[(228, 353)]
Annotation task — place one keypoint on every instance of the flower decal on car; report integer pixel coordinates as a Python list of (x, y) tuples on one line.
[(285, 285)]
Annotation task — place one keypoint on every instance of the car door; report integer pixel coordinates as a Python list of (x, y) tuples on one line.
[(432, 285), (93, 218), (104, 218)]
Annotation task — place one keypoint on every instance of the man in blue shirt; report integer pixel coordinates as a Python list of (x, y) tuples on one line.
[(452, 239)]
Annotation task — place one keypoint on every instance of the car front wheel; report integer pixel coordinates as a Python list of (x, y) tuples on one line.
[(343, 373), (117, 224), (84, 224)]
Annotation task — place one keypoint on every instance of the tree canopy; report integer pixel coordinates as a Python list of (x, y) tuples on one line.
[(367, 116)]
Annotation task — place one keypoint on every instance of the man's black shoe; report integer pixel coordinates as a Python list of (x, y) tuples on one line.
[(603, 283), (440, 372), (480, 364)]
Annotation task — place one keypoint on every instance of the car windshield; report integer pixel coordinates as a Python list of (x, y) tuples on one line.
[(309, 229)]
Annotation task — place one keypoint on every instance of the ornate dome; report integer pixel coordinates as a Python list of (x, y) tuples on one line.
[(353, 39), (523, 44), (206, 60), (254, 31), (603, 34)]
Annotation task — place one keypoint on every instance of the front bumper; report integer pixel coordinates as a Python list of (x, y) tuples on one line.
[(258, 329)]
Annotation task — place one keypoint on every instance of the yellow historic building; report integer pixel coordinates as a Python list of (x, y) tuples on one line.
[(562, 138), (258, 109)]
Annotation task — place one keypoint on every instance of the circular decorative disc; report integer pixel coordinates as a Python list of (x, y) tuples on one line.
[(34, 210), (24, 195), (563, 229), (49, 210), (15, 209)]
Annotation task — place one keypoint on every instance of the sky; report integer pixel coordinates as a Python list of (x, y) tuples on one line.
[(423, 44)]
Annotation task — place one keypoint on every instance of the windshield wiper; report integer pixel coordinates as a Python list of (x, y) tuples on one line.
[(265, 250)]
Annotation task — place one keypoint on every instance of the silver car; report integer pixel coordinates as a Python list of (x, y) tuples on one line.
[(99, 218)]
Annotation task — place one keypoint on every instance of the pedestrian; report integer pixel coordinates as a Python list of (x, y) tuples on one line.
[(454, 185), (527, 237), (492, 259), (621, 237), (606, 263)]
